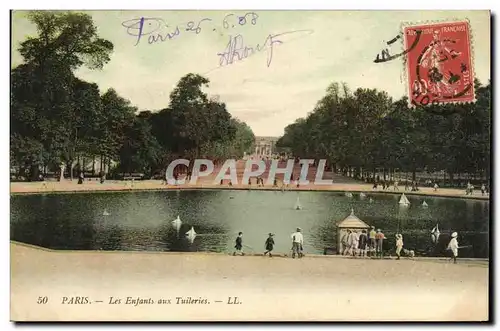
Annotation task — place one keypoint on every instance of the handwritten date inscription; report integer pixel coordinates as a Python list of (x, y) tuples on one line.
[(157, 30)]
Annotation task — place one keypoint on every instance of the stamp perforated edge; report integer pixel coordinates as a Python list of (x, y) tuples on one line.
[(407, 24)]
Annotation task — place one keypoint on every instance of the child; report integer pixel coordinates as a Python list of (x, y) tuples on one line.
[(371, 240), (363, 242), (269, 244), (453, 246), (399, 245), (379, 240), (239, 244)]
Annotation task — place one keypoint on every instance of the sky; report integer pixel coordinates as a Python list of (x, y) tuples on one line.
[(317, 48)]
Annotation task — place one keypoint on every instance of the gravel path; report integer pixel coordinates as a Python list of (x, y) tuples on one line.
[(269, 289), (93, 186)]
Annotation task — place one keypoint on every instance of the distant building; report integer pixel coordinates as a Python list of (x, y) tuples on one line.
[(265, 146)]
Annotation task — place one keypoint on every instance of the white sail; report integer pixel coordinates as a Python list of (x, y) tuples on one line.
[(362, 195), (435, 234), (105, 213), (297, 204), (191, 234), (404, 200), (424, 204), (348, 194), (177, 223)]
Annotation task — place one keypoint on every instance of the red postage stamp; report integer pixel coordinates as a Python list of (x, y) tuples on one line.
[(439, 63)]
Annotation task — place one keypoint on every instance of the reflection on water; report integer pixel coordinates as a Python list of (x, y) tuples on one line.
[(143, 220)]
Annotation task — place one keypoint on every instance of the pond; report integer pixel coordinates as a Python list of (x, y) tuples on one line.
[(143, 220)]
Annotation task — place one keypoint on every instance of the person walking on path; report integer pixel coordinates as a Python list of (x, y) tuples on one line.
[(354, 243), (371, 240), (470, 189), (399, 245), (483, 189), (269, 245), (453, 246), (379, 239), (239, 244), (436, 186), (80, 178), (396, 187), (363, 241), (297, 243), (345, 242)]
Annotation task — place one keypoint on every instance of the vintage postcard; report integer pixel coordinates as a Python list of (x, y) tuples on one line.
[(250, 165)]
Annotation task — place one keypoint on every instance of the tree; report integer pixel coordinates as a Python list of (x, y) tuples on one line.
[(42, 108), (244, 139), (366, 129), (116, 119), (192, 119), (43, 99), (140, 150), (67, 37)]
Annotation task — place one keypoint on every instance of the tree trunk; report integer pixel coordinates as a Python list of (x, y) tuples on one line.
[(62, 166), (93, 165), (34, 171), (414, 175), (20, 171), (71, 166)]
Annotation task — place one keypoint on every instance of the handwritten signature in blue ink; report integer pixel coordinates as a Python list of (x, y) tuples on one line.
[(236, 50), (140, 27)]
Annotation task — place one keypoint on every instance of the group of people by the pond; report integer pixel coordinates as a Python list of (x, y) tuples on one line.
[(81, 177), (297, 244), (259, 181), (387, 184), (370, 244), (469, 189), (413, 186), (363, 243)]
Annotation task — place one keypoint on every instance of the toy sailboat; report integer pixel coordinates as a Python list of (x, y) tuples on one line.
[(404, 200), (297, 204), (435, 234), (177, 223), (191, 235)]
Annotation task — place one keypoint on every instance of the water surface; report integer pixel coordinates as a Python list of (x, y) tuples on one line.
[(143, 220)]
